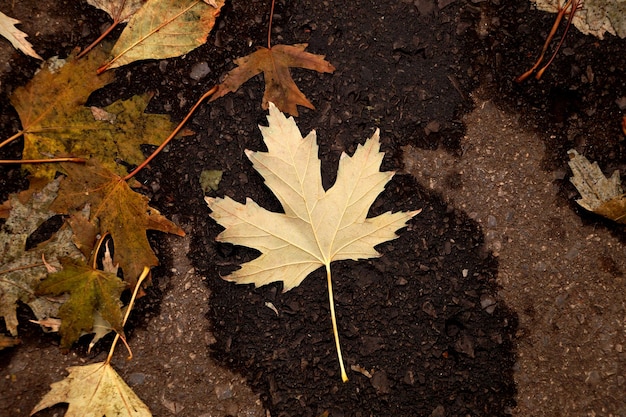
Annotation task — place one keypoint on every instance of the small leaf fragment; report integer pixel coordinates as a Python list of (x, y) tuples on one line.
[(16, 36), (119, 10), (94, 390), (210, 180)]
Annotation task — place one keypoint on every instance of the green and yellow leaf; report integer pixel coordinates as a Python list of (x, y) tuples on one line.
[(91, 291)]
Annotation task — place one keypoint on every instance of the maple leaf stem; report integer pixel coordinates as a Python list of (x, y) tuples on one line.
[(97, 41), (144, 274), (344, 376), (42, 161), (269, 26), (575, 5), (171, 136), (12, 138)]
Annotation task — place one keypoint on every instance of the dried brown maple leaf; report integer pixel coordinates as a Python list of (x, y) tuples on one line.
[(115, 209), (274, 63)]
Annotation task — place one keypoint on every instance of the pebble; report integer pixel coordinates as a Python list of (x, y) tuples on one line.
[(223, 391), (199, 70), (136, 378), (439, 411), (380, 382)]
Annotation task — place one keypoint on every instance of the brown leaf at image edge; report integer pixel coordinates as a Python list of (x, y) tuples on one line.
[(274, 63)]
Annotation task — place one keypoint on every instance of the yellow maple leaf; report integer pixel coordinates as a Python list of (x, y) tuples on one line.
[(48, 99), (94, 390), (164, 29), (318, 226), (56, 122), (115, 209), (274, 63)]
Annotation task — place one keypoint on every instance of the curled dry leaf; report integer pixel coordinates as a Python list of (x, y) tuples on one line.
[(274, 63), (601, 195)]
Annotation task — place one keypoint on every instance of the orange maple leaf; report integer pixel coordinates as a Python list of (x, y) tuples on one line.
[(280, 88), (115, 209)]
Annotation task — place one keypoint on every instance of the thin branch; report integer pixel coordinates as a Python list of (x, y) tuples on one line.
[(557, 22)]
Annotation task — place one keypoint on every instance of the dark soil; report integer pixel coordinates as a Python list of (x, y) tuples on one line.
[(425, 320)]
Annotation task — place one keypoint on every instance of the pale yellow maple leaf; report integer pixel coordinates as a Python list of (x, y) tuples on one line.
[(16, 36), (318, 226), (94, 390)]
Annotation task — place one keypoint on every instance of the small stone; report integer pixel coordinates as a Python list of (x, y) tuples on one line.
[(199, 71), (432, 127), (439, 411), (136, 378), (380, 382), (488, 303), (223, 391), (429, 309)]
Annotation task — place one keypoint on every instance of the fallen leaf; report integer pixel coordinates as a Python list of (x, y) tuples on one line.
[(119, 10), (164, 29), (51, 97), (115, 209), (596, 17), (22, 270), (318, 226), (274, 63), (600, 195), (94, 390), (90, 290), (16, 36), (56, 122)]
